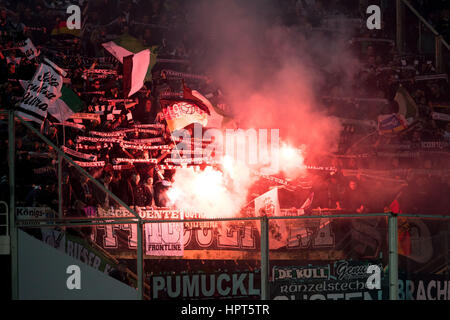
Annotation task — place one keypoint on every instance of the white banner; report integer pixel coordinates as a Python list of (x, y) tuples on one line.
[(165, 239), (42, 90), (29, 50), (268, 204)]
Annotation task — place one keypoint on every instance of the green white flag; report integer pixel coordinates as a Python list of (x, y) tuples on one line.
[(126, 45), (68, 104)]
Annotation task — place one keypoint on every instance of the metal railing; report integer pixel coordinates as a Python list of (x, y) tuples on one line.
[(135, 218), (61, 155), (440, 44), (392, 250)]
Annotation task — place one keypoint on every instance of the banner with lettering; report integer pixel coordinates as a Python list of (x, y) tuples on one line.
[(165, 239), (336, 280), (235, 285), (38, 213), (29, 50), (422, 286), (42, 90), (86, 116), (315, 239)]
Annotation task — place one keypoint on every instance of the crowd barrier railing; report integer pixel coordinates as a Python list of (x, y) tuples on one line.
[(374, 237), (61, 158)]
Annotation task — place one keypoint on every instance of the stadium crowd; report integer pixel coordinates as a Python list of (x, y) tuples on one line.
[(374, 168)]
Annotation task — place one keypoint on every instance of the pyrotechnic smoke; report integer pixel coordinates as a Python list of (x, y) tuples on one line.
[(268, 74), (269, 71), (291, 161), (212, 192)]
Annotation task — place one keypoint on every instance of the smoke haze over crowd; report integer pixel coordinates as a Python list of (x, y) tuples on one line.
[(268, 70), (268, 73)]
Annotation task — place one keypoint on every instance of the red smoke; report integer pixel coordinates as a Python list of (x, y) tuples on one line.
[(267, 74)]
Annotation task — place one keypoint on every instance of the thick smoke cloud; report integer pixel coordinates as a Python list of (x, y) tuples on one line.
[(269, 75), (214, 193), (268, 70)]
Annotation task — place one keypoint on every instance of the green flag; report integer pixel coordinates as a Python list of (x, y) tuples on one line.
[(134, 45)]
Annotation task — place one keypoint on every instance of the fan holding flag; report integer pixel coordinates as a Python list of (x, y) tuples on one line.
[(182, 111)]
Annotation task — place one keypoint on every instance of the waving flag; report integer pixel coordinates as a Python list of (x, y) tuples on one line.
[(307, 204), (117, 51), (196, 98), (268, 204), (180, 111), (407, 106), (134, 45), (136, 65), (68, 104), (127, 45), (61, 28), (43, 90), (391, 123), (134, 71), (181, 114), (220, 112), (215, 119), (29, 50)]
